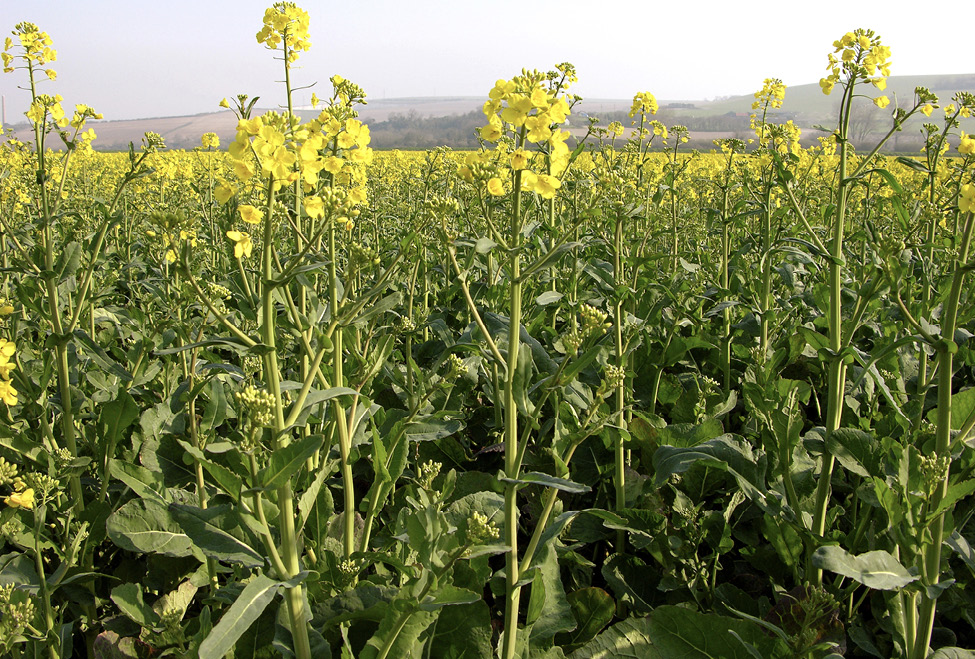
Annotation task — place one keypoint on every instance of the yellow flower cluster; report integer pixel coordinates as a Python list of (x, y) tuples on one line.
[(531, 106), (210, 141), (858, 55), (7, 392), (644, 103), (772, 94), (44, 105), (36, 47), (285, 22)]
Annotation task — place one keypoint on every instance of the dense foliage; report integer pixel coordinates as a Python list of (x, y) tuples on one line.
[(302, 399)]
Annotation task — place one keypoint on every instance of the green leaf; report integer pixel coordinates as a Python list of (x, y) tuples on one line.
[(203, 527), (448, 596), (68, 261), (145, 526), (399, 636), (286, 462), (432, 429), (548, 612), (680, 632), (246, 609), (952, 653), (856, 450), (546, 480), (484, 245), (216, 407), (128, 598), (593, 609), (462, 632), (629, 639), (548, 297), (100, 357), (114, 417), (726, 452), (961, 547), (317, 396), (962, 406), (874, 569)]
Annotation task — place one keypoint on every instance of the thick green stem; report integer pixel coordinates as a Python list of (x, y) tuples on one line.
[(931, 558), (512, 591)]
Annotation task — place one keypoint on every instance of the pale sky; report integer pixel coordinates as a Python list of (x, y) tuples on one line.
[(138, 58)]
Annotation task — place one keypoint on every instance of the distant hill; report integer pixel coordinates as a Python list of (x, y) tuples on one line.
[(427, 122)]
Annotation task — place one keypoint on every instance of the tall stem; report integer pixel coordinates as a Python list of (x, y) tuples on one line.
[(513, 591)]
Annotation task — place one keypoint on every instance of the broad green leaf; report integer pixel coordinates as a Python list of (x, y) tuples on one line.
[(593, 609), (874, 569), (856, 450), (128, 598), (145, 526), (961, 547), (631, 580), (69, 260), (116, 416), (247, 608), (213, 541), (484, 245), (286, 462), (629, 639), (462, 632), (317, 396), (224, 342), (448, 596), (952, 653), (680, 632), (399, 632), (548, 297), (962, 406), (366, 601), (146, 484), (548, 612), (100, 357), (228, 480), (726, 452), (431, 429), (215, 410), (256, 640), (546, 480)]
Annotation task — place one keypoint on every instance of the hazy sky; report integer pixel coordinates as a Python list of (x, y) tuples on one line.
[(147, 58)]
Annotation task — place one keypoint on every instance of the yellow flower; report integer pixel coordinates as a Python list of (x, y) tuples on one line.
[(7, 393), (314, 206), (242, 243), (23, 499), (927, 109), (250, 126), (333, 164), (881, 102), (495, 187), (223, 191), (243, 169), (493, 131), (966, 146), (519, 159), (224, 104), (250, 214), (358, 195), (547, 185)]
